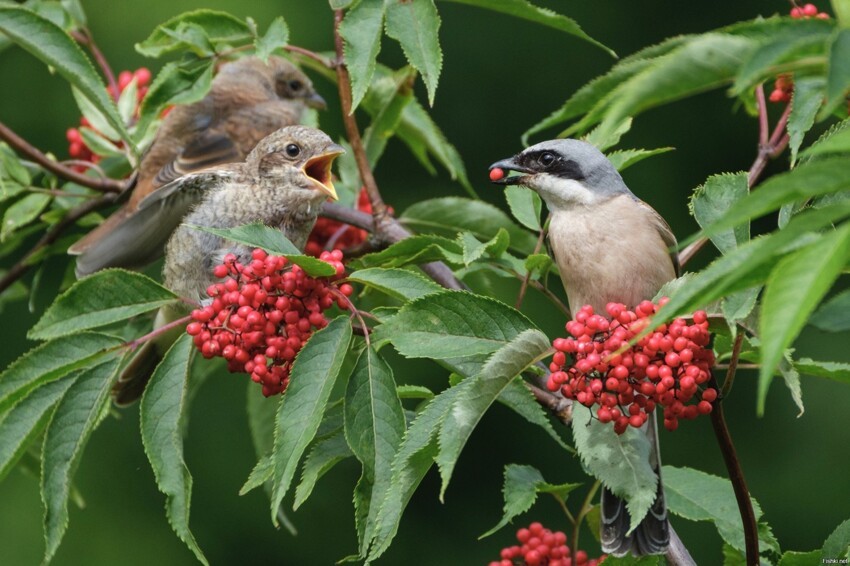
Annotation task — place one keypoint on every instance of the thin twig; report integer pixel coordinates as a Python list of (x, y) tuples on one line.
[(733, 366), (23, 147), (18, 270), (560, 407), (133, 344), (583, 511), (84, 37), (563, 505), (312, 55), (524, 286)]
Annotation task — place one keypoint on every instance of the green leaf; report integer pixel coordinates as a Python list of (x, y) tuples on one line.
[(528, 11), (522, 484), (312, 379), (620, 461), (807, 99), (738, 306), (55, 48), (324, 455), (51, 361), (837, 371), (277, 37), (629, 560), (401, 284), (835, 140), (414, 250), (79, 412), (260, 474), (450, 215), (602, 139), (218, 27), (833, 315), (393, 93), (274, 242), (340, 4), (415, 24), (11, 166), (174, 84), (452, 324), (716, 197), (23, 212), (625, 158), (414, 392), (517, 397), (525, 205), (837, 544), (795, 287), (474, 249), (161, 412), (103, 298), (361, 31), (838, 73), (25, 421), (792, 558), (374, 426)]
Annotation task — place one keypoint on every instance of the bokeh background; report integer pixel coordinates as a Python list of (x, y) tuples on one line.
[(500, 76)]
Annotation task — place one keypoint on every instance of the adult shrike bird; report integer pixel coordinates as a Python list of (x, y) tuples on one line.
[(609, 247)]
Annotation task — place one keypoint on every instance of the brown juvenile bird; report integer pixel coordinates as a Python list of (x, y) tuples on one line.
[(248, 100), (283, 183), (610, 247)]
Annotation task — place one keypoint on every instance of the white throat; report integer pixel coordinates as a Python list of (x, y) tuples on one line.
[(563, 193)]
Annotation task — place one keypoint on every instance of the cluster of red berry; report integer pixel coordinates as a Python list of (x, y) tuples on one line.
[(784, 85), (808, 11), (77, 147), (340, 236), (538, 546), (667, 367), (263, 313)]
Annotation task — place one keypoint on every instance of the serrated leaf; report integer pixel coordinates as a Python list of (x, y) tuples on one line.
[(697, 496), (738, 306), (174, 84), (99, 145), (625, 158), (361, 31), (835, 140), (481, 391), (103, 298), (389, 96), (77, 415), (522, 484), (837, 371), (51, 361), (161, 411), (602, 139), (415, 25), (401, 284), (525, 205), (414, 392), (311, 381), (374, 426), (449, 216), (520, 400), (806, 100), (619, 461), (50, 43), (324, 455), (837, 544), (528, 11), (792, 558), (12, 168), (716, 197), (218, 27), (22, 212), (25, 421), (260, 474), (277, 37), (834, 314), (419, 249), (795, 287), (838, 72), (452, 324), (128, 100), (274, 242), (474, 249)]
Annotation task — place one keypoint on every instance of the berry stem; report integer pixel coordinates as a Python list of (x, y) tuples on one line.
[(537, 247), (733, 366), (133, 344), (563, 505), (354, 313), (586, 506)]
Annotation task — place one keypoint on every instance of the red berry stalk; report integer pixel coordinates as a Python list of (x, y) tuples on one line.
[(263, 313), (538, 546), (669, 367)]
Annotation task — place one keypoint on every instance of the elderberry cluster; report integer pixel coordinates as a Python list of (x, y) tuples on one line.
[(538, 546), (263, 313), (669, 367)]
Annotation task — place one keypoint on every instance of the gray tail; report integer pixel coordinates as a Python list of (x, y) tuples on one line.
[(652, 535), (135, 377)]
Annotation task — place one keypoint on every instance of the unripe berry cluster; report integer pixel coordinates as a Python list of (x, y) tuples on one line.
[(263, 313), (77, 147), (669, 366), (538, 546), (340, 236)]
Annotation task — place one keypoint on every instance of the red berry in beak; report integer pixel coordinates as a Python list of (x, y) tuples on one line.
[(496, 174)]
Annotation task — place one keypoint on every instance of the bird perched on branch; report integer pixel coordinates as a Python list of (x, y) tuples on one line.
[(283, 183), (248, 100), (609, 247)]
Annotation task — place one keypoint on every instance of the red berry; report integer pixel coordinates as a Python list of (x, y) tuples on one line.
[(496, 174)]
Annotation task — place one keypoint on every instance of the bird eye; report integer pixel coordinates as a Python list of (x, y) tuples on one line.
[(546, 159), (295, 85), (292, 150)]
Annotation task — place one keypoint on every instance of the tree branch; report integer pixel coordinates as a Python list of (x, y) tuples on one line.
[(104, 185)]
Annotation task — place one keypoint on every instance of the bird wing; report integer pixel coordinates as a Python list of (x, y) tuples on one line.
[(666, 235), (141, 237), (203, 151)]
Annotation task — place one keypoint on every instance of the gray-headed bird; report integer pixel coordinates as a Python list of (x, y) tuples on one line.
[(609, 247), (283, 183), (248, 100)]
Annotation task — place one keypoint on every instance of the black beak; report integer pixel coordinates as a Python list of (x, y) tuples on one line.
[(507, 165)]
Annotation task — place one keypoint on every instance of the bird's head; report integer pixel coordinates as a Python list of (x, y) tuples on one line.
[(299, 156), (290, 83), (565, 172)]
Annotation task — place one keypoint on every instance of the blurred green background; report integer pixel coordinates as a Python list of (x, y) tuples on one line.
[(500, 76)]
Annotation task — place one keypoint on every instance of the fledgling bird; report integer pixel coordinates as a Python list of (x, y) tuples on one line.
[(283, 183), (609, 247), (248, 100)]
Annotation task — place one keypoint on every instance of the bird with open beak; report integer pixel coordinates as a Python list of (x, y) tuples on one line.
[(609, 246), (283, 183), (248, 100)]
